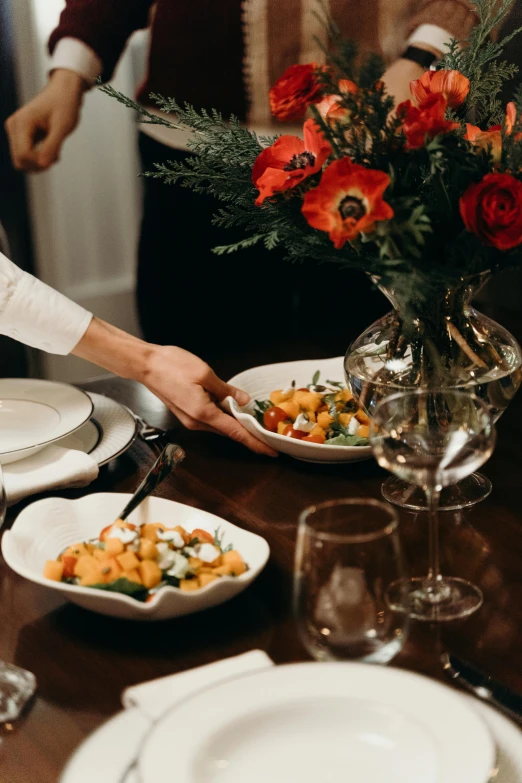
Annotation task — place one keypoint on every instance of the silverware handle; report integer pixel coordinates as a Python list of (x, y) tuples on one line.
[(171, 456)]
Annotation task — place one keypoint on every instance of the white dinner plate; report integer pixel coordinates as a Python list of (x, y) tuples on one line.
[(308, 722), (109, 433), (112, 748), (259, 382), (34, 413)]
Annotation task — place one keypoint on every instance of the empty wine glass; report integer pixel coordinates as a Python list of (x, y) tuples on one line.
[(348, 553), (433, 438)]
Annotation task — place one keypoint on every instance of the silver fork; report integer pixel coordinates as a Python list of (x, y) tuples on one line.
[(155, 437)]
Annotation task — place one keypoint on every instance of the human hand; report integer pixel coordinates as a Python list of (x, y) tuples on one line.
[(37, 130), (398, 76), (192, 391)]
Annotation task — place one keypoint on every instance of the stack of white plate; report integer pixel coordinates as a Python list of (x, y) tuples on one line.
[(305, 723), (36, 413)]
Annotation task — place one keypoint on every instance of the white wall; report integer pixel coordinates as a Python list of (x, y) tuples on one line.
[(85, 211)]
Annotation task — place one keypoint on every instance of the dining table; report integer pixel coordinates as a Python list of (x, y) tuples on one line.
[(83, 661)]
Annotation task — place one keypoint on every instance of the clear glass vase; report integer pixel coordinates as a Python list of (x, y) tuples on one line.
[(436, 340)]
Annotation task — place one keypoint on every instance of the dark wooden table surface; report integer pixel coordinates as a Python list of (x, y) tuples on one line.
[(83, 661)]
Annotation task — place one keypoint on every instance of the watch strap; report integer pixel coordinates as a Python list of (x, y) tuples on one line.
[(420, 56)]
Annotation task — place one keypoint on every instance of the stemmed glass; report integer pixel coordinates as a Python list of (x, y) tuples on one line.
[(433, 438), (348, 554)]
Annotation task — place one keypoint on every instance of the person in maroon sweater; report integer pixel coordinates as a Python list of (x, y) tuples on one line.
[(225, 55)]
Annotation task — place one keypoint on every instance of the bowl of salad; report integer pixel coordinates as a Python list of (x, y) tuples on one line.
[(304, 410), (167, 560)]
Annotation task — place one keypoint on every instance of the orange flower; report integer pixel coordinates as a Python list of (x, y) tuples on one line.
[(427, 119), (347, 201), (330, 108), (289, 160), (294, 91), (453, 85), (490, 139), (511, 120)]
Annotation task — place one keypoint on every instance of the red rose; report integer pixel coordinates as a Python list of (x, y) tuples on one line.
[(294, 91), (426, 119), (492, 209)]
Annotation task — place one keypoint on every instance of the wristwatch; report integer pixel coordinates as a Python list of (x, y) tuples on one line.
[(420, 56)]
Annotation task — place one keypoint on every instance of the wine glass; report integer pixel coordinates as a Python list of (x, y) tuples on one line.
[(348, 553), (433, 438)]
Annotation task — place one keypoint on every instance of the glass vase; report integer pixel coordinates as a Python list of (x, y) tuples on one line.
[(435, 340)]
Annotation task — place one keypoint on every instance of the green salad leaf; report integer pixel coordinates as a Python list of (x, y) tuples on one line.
[(347, 440), (125, 586)]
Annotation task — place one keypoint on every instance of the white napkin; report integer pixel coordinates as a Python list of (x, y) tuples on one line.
[(52, 468), (153, 698)]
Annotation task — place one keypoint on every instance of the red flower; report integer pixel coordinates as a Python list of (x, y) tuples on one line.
[(492, 209), (427, 119), (347, 201), (453, 85), (490, 139), (330, 108), (289, 160), (294, 91)]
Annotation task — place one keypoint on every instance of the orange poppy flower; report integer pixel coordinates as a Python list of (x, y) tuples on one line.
[(348, 201), (490, 139), (427, 119), (330, 108), (511, 120), (294, 91), (289, 160), (453, 85)]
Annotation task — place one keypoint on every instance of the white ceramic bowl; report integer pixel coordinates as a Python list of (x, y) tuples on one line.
[(259, 382), (45, 528)]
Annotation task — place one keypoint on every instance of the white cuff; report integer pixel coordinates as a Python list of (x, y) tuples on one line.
[(37, 315), (431, 35), (73, 55)]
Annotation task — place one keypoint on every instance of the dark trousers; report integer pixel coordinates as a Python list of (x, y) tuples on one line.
[(253, 298)]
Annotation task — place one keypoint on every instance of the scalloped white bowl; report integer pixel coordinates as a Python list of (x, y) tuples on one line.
[(45, 528), (259, 382)]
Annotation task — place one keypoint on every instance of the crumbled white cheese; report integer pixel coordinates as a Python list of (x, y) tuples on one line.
[(303, 423), (179, 566), (353, 426), (207, 552), (166, 556), (123, 533), (171, 535)]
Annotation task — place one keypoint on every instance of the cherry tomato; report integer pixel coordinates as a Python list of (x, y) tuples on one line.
[(291, 433), (315, 438), (68, 565), (272, 417)]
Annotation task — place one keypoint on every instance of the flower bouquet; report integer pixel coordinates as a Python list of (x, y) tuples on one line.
[(425, 197)]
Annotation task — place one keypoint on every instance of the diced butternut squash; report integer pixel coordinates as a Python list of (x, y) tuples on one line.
[(195, 563), (223, 570), (291, 408), (362, 417), (189, 584), (128, 561), (148, 550), (206, 579), (84, 564), (203, 536), (114, 546), (76, 550), (111, 570), (150, 573), (345, 418), (235, 561), (101, 554), (324, 420), (317, 430), (92, 573), (363, 431), (344, 395), (307, 400), (132, 575), (281, 426), (53, 570), (150, 531), (279, 396), (186, 536)]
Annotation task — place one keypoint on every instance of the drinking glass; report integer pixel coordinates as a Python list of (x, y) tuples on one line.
[(348, 553), (433, 438)]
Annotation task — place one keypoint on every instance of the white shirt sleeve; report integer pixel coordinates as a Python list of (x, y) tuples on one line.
[(74, 55), (36, 314), (431, 35)]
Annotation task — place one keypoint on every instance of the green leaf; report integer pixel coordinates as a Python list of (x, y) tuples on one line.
[(126, 587), (315, 379), (347, 440)]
